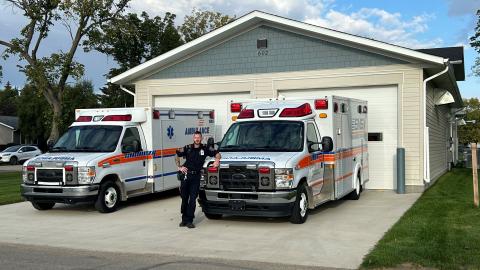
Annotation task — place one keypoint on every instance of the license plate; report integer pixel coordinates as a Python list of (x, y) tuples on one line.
[(237, 205)]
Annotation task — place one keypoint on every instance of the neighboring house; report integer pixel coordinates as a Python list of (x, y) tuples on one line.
[(9, 133), (264, 56)]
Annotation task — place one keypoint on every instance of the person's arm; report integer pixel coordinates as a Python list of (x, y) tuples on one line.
[(216, 163), (180, 153)]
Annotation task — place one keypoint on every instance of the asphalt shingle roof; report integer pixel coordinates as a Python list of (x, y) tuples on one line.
[(11, 121)]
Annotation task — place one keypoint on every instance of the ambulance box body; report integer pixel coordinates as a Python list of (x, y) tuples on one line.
[(110, 155)]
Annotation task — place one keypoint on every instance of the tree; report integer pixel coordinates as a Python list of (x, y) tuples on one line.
[(201, 22), (49, 74), (131, 40), (475, 43), (35, 113), (8, 98), (471, 131)]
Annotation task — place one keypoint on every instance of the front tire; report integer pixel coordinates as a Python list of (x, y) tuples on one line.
[(43, 205), (13, 161), (108, 198), (300, 208)]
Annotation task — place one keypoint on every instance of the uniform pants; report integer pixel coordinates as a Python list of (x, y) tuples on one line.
[(189, 192)]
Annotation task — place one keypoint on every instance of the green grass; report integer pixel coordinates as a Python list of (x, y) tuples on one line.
[(10, 187), (441, 230)]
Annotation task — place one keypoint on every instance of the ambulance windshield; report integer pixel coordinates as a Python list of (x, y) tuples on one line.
[(89, 139), (264, 136)]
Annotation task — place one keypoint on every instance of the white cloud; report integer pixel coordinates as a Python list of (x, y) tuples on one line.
[(373, 23)]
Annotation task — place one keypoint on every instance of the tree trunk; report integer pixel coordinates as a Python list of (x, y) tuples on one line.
[(57, 114)]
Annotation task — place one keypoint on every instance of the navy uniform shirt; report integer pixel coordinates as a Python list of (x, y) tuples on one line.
[(195, 157)]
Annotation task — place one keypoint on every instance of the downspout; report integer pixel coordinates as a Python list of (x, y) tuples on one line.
[(128, 91), (426, 140)]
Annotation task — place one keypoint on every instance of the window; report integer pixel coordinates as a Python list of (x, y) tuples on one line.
[(312, 137), (131, 140), (29, 149), (375, 136)]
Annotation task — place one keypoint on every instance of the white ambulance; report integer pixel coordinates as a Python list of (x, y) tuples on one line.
[(110, 155), (283, 157)]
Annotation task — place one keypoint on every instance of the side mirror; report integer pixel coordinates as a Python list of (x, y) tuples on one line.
[(327, 144)]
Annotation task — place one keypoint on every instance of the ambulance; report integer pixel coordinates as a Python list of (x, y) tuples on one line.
[(283, 157), (110, 155)]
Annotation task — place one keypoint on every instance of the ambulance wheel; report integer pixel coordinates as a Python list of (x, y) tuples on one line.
[(355, 194), (300, 208), (108, 198), (213, 216), (43, 206)]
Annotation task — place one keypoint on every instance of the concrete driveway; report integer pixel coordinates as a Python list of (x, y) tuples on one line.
[(338, 234), (10, 168)]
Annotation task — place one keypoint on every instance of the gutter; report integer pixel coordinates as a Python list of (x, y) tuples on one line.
[(426, 140), (128, 91)]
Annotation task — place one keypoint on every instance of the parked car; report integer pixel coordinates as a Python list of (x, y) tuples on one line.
[(19, 153)]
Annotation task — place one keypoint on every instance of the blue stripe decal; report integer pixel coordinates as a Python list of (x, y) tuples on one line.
[(136, 178)]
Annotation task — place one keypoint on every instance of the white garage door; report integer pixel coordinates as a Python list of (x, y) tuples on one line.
[(382, 118), (220, 102)]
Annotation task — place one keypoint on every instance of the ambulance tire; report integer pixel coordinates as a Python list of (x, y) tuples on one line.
[(43, 205), (213, 216), (108, 198), (355, 194), (300, 208)]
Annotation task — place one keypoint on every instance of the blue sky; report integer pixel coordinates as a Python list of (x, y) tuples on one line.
[(413, 24)]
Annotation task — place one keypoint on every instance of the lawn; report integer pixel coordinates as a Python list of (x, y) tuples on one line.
[(10, 187), (441, 230)]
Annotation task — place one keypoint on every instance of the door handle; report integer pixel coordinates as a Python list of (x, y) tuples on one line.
[(144, 163)]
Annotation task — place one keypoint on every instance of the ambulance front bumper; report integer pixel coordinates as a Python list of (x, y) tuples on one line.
[(260, 204), (59, 194)]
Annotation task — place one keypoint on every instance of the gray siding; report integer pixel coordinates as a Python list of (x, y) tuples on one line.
[(439, 131), (287, 51), (5, 135)]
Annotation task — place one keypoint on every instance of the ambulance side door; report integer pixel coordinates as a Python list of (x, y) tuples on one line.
[(134, 169), (315, 173)]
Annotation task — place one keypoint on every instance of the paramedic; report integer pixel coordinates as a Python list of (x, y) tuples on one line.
[(194, 155)]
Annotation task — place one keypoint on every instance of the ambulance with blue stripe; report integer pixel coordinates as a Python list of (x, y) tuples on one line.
[(283, 157), (110, 155)]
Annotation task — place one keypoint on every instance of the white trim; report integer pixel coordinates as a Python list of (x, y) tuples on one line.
[(7, 126), (254, 18)]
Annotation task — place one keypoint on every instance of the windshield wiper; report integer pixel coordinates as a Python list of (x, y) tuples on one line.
[(86, 149), (58, 148)]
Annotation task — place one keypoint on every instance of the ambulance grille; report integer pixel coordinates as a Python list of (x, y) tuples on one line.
[(238, 178), (50, 175)]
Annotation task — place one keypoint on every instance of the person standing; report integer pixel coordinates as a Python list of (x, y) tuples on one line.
[(195, 155)]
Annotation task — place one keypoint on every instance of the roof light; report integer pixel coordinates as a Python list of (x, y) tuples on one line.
[(125, 117), (246, 113), (156, 114), (321, 104), (84, 119), (236, 107), (302, 110)]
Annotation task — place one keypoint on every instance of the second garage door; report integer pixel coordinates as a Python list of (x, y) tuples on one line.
[(218, 101), (382, 122)]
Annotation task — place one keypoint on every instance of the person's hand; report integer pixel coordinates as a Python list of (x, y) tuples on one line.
[(216, 163), (183, 169)]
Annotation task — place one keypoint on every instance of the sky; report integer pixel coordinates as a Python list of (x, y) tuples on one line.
[(408, 23)]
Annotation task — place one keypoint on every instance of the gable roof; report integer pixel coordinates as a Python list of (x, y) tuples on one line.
[(9, 121), (255, 18), (454, 55)]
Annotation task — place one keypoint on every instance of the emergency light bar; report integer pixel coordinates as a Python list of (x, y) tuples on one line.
[(84, 119), (321, 104), (125, 117), (246, 113), (302, 110), (236, 107)]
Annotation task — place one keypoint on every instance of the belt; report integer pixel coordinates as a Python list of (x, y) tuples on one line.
[(193, 172)]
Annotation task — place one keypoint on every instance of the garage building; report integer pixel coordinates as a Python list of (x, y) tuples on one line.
[(412, 94)]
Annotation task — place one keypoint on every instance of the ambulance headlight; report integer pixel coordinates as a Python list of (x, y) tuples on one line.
[(86, 174), (283, 178)]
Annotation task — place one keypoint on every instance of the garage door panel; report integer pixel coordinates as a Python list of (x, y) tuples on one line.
[(217, 101), (382, 117)]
